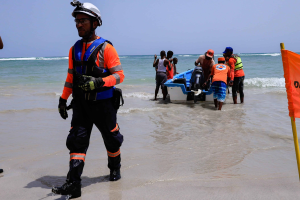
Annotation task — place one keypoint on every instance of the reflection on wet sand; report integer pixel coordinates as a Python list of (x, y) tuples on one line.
[(199, 141)]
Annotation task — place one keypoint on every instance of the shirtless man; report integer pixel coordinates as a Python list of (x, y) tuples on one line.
[(206, 61), (175, 61)]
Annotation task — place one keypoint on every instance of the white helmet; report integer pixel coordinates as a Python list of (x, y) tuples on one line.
[(86, 8)]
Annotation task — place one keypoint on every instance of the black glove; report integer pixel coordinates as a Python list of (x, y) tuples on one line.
[(62, 108), (91, 83)]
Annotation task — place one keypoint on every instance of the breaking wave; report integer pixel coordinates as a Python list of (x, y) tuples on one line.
[(50, 94), (26, 110), (252, 54), (260, 54), (140, 95), (6, 94), (265, 82), (188, 55)]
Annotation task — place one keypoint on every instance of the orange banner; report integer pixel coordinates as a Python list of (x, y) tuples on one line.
[(291, 68)]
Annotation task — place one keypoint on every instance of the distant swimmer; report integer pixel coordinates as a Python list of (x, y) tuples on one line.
[(1, 43), (94, 70), (170, 68), (206, 61), (161, 76), (237, 73), (220, 74), (175, 61)]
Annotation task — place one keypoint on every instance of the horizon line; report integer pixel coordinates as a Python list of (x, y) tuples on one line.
[(140, 55)]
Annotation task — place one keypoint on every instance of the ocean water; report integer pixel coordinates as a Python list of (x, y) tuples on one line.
[(25, 79), (163, 141)]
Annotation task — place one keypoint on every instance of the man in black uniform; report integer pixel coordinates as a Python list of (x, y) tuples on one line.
[(94, 70)]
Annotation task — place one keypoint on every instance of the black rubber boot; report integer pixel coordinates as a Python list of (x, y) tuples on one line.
[(1, 170), (73, 190), (115, 175)]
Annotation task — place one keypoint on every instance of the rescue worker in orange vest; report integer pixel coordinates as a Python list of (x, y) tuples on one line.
[(237, 74), (220, 74), (94, 70)]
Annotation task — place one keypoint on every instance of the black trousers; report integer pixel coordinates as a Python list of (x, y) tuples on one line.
[(85, 115), (238, 85)]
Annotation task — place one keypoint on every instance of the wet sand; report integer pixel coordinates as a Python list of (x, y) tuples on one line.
[(170, 151)]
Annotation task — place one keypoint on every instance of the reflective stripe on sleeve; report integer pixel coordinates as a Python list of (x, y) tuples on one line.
[(117, 77), (116, 128), (70, 71), (68, 85), (77, 156), (113, 154), (116, 69)]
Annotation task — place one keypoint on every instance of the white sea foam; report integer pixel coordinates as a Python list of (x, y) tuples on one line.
[(35, 58), (282, 91), (265, 82), (218, 55), (58, 58), (251, 54), (187, 55), (26, 110), (5, 94), (260, 54), (140, 95), (132, 110), (31, 58), (50, 94)]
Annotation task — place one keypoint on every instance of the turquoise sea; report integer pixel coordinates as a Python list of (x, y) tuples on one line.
[(138, 69), (166, 144)]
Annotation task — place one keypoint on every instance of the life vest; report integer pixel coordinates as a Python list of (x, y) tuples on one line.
[(238, 64), (88, 67)]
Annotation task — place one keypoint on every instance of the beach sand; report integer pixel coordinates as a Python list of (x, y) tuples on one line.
[(170, 151)]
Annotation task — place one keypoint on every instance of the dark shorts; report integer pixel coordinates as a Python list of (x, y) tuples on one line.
[(161, 78)]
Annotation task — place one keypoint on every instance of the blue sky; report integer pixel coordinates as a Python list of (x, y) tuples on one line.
[(36, 28)]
